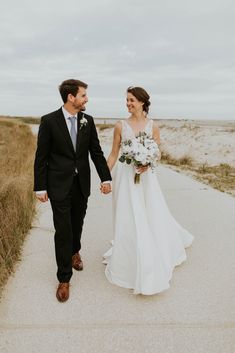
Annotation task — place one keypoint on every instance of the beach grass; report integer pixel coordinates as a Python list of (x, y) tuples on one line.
[(24, 119), (102, 127), (220, 177), (17, 202)]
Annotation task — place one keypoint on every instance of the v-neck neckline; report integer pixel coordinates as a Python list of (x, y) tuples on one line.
[(136, 133)]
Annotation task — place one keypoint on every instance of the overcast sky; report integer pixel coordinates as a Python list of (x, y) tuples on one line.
[(181, 51)]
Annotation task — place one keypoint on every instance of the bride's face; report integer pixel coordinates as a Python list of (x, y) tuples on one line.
[(133, 105)]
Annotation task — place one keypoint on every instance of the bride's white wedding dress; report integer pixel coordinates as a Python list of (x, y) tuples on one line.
[(148, 242)]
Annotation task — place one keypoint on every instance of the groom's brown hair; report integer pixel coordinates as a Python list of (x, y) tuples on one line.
[(70, 86)]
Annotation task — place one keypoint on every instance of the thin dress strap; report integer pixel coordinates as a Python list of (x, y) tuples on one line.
[(149, 127), (127, 132)]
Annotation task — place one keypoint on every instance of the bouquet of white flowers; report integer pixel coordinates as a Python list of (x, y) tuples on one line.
[(140, 151)]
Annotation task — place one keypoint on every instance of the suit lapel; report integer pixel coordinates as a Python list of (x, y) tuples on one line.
[(64, 129)]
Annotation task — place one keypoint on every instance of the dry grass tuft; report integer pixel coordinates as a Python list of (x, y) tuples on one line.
[(168, 159), (25, 119), (104, 126), (186, 160), (221, 177), (30, 120), (17, 204)]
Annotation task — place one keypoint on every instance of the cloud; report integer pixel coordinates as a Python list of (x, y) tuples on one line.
[(181, 52)]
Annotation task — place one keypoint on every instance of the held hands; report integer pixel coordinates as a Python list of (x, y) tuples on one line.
[(105, 188), (42, 197)]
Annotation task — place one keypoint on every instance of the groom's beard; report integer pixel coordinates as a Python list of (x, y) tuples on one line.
[(79, 108)]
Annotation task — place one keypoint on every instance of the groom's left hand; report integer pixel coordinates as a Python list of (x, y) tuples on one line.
[(105, 188)]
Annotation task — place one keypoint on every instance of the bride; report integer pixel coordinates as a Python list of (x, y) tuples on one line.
[(148, 242)]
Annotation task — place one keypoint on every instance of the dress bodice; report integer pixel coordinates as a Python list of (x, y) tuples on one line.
[(129, 133)]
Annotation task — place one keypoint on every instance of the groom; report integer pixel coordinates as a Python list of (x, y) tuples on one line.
[(62, 173)]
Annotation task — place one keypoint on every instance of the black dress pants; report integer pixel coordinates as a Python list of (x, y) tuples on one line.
[(68, 218)]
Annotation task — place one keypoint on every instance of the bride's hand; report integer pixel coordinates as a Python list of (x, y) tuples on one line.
[(105, 188), (142, 169)]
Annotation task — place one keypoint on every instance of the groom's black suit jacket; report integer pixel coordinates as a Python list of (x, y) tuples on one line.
[(56, 160)]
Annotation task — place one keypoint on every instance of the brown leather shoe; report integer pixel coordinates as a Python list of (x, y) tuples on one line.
[(77, 262), (62, 293)]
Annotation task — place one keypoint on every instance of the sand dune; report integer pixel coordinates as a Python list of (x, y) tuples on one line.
[(211, 142)]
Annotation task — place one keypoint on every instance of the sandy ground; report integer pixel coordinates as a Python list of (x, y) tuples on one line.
[(211, 142)]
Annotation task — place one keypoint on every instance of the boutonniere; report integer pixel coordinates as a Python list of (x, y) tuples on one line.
[(83, 122)]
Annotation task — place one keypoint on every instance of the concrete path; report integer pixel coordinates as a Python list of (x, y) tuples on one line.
[(196, 315)]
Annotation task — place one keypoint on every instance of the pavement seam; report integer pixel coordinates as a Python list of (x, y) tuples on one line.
[(120, 325)]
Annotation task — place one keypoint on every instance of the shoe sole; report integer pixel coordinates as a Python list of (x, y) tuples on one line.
[(78, 269), (61, 300)]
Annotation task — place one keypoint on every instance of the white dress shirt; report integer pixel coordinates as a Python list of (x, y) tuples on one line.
[(67, 115)]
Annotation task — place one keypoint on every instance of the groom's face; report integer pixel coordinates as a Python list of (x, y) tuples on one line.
[(80, 100)]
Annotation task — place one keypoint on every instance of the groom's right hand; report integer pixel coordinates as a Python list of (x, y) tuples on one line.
[(42, 197), (105, 188)]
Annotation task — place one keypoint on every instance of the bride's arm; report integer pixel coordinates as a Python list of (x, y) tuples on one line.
[(112, 158), (156, 135)]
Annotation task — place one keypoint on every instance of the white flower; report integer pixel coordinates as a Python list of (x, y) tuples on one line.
[(83, 122), (141, 150)]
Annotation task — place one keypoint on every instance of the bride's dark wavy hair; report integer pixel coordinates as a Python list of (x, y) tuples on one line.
[(141, 95)]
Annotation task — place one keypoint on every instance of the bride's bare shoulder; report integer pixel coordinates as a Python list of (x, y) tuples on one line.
[(155, 126), (156, 132), (118, 126)]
